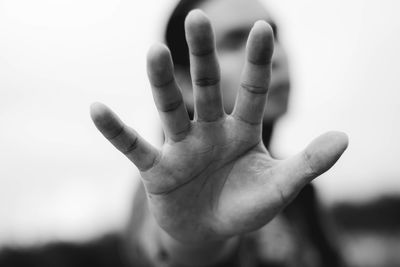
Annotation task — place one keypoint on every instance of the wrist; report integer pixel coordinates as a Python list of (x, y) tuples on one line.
[(163, 250), (148, 241), (195, 254)]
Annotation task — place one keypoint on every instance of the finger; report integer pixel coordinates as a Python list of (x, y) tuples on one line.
[(204, 67), (318, 157), (167, 96), (252, 94), (125, 139)]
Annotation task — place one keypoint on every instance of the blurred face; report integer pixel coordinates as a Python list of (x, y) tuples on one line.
[(232, 21)]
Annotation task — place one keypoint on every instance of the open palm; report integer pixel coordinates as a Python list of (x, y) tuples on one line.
[(213, 178)]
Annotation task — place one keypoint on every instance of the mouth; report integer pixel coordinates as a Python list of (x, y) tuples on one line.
[(279, 91)]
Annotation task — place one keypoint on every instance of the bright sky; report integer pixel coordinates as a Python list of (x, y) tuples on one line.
[(60, 179)]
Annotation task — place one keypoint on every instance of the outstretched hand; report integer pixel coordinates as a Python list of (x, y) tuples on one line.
[(213, 178)]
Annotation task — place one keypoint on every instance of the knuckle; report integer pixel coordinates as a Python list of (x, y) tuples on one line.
[(162, 83), (205, 82), (203, 51), (254, 89), (116, 133), (132, 146), (170, 106)]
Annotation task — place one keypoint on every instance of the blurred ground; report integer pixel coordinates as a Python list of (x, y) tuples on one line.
[(369, 232)]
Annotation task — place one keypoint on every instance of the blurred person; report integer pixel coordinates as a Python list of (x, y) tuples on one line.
[(213, 194)]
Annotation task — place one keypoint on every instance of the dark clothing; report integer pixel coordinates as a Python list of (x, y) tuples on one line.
[(106, 252)]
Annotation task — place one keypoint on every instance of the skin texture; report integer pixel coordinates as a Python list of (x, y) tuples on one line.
[(213, 178)]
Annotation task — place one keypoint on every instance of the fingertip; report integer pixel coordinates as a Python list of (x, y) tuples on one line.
[(158, 55), (343, 137), (199, 33), (333, 142), (105, 120), (338, 139), (262, 26), (323, 152), (159, 64), (196, 16), (157, 51), (260, 44), (97, 110)]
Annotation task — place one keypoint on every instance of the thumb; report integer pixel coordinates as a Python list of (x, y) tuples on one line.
[(318, 157)]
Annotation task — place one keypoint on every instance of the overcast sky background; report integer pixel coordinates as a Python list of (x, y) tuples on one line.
[(59, 179)]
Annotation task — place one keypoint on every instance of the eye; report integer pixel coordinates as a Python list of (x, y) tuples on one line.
[(274, 28), (234, 40)]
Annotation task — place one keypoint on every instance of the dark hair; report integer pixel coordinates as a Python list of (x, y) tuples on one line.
[(175, 32)]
